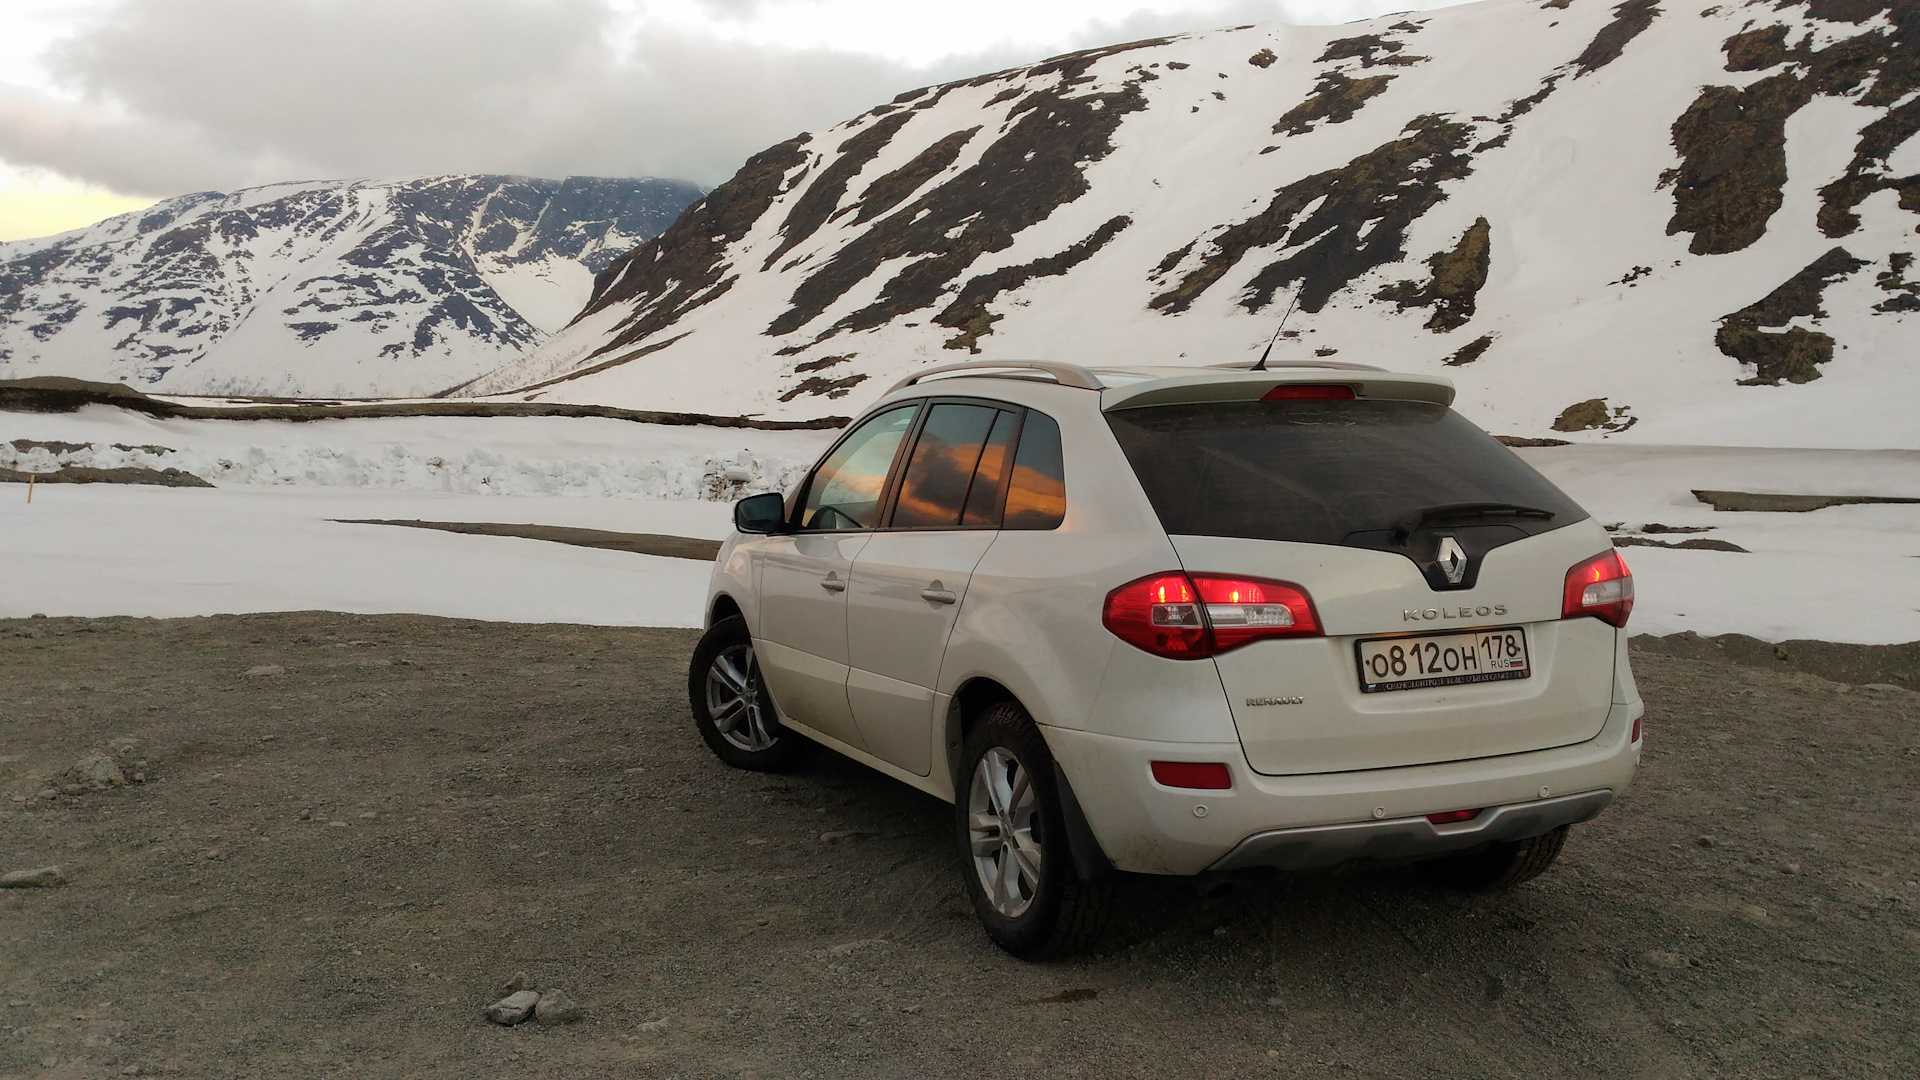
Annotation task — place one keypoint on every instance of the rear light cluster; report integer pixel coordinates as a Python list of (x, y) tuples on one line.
[(1601, 587), (1194, 616)]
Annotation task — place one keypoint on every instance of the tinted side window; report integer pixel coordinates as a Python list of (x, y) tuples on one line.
[(1037, 498), (934, 488), (990, 479), (845, 491), (1323, 472)]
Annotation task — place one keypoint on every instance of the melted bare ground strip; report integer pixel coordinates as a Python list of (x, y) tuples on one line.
[(1360, 222), (672, 547), (1793, 355), (1764, 503), (1696, 544), (52, 393), (82, 474)]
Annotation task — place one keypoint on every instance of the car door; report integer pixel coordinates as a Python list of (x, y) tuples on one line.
[(909, 579), (803, 575)]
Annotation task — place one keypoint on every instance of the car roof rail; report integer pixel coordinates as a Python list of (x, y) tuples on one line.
[(1270, 365), (1065, 374)]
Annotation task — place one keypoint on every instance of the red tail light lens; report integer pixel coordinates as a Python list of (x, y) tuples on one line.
[(1193, 617), (1160, 614), (1309, 392), (1205, 775), (1601, 587), (1450, 817), (1242, 610)]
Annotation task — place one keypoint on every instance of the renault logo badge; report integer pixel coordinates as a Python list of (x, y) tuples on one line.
[(1452, 560)]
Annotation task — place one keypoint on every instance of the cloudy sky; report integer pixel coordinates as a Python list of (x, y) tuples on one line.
[(109, 104)]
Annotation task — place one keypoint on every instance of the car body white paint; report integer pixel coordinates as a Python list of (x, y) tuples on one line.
[(1027, 615)]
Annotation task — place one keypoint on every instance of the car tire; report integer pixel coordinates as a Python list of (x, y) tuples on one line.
[(1018, 867), (1501, 865), (732, 706)]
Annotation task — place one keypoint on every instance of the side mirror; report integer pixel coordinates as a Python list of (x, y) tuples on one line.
[(762, 514)]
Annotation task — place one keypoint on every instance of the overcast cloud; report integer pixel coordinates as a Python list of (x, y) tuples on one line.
[(166, 96)]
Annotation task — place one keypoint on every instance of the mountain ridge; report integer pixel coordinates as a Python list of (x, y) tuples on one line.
[(330, 288), (1679, 222)]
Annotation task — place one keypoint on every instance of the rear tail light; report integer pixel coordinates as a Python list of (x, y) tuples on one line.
[(1635, 737), (1309, 392), (1601, 587), (1206, 775), (1192, 617), (1450, 817)]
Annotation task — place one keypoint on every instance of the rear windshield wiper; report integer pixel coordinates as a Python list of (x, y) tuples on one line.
[(1449, 511)]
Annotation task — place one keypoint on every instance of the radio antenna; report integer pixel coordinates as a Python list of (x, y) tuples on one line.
[(1262, 365)]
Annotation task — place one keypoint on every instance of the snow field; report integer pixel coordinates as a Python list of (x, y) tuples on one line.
[(494, 455), (262, 540), (110, 549)]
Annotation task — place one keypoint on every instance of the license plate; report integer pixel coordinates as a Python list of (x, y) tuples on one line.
[(1428, 660)]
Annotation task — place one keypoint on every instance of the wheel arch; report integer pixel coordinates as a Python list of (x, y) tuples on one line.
[(722, 607), (971, 700)]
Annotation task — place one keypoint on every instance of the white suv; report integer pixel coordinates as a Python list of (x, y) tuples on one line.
[(1171, 620)]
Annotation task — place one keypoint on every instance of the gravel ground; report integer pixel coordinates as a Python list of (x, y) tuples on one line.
[(352, 829)]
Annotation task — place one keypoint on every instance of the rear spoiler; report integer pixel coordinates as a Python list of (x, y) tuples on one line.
[(1252, 385)]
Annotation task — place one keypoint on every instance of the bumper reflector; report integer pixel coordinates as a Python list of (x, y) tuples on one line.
[(1451, 816), (1206, 775)]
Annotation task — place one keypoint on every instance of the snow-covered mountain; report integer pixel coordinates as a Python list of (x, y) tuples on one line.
[(1679, 221), (342, 288)]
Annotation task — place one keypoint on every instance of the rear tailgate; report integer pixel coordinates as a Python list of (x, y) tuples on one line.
[(1302, 705), (1401, 521)]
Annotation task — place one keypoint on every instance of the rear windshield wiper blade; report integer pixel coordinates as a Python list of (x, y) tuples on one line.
[(1448, 511)]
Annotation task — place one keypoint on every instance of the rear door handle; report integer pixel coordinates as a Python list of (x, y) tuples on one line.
[(933, 595), (832, 583)]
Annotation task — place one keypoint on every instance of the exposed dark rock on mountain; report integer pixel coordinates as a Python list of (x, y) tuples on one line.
[(969, 314), (1458, 275), (1359, 219), (348, 287), (681, 270), (1796, 353), (1584, 187), (1630, 20)]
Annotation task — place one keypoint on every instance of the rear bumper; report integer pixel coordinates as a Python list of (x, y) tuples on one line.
[(1321, 819), (1409, 838)]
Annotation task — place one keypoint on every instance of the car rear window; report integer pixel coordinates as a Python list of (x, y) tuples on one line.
[(1323, 472)]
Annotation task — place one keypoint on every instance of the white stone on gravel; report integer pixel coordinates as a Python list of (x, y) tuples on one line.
[(556, 1007), (45, 877), (515, 1008), (98, 769)]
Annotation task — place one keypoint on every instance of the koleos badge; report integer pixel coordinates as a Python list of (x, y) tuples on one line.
[(1452, 560)]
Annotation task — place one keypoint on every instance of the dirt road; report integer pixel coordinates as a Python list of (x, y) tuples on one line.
[(334, 860)]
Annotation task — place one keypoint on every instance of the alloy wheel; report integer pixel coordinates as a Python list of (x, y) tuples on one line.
[(1003, 815), (734, 699)]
